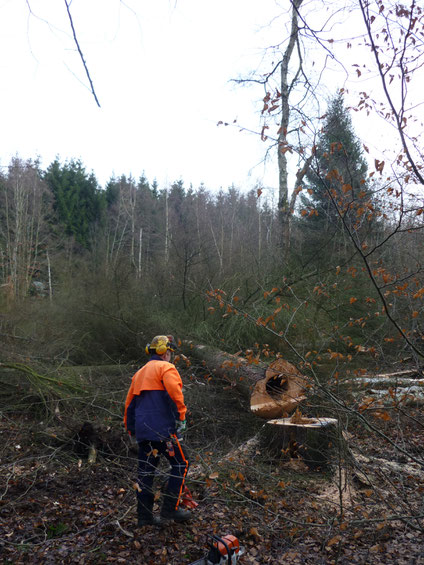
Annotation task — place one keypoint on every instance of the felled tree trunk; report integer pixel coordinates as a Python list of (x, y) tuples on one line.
[(274, 390), (233, 368)]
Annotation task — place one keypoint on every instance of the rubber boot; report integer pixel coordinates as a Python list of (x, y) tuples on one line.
[(171, 512), (145, 511)]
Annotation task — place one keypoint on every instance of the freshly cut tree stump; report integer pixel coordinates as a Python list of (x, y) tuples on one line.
[(312, 439)]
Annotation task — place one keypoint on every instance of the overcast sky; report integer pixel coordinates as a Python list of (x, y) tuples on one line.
[(161, 71)]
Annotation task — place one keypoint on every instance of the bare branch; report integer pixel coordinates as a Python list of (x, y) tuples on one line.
[(383, 75), (81, 54)]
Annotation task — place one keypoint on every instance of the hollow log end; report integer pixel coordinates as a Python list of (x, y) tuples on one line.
[(279, 392)]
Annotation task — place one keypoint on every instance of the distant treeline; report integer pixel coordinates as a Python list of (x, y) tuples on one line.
[(114, 264)]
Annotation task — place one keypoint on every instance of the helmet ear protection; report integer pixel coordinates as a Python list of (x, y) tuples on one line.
[(161, 348), (160, 345)]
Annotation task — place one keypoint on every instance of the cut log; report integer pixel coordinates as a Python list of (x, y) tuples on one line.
[(417, 373), (274, 390), (313, 439), (85, 441), (280, 392), (92, 455)]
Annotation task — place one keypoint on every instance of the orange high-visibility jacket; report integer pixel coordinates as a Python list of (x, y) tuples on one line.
[(154, 401)]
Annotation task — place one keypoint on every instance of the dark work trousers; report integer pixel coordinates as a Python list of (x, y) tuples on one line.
[(149, 453)]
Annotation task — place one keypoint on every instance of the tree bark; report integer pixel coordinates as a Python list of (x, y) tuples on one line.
[(236, 370), (282, 145)]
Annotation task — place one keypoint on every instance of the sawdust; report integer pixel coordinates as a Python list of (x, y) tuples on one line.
[(243, 452), (299, 418), (340, 492)]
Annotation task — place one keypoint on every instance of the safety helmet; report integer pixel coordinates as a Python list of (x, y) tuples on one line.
[(160, 345)]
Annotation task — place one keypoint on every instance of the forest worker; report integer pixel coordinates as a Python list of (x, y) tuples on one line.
[(155, 415)]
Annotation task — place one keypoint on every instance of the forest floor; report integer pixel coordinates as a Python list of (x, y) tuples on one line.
[(58, 508)]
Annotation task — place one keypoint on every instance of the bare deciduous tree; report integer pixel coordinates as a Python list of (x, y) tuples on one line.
[(26, 202)]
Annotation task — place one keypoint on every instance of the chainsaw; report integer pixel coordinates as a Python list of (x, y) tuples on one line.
[(222, 551)]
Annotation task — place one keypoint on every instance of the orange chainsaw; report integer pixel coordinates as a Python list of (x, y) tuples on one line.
[(223, 551)]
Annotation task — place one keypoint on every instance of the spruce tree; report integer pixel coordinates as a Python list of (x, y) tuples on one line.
[(78, 200), (339, 217), (336, 190)]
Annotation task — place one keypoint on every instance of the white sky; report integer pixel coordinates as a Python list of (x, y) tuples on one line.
[(161, 71)]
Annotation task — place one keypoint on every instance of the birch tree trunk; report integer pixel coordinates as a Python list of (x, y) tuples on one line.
[(140, 248), (49, 272), (166, 228)]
